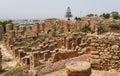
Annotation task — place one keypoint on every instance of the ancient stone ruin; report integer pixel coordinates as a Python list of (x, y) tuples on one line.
[(0, 60), (41, 44), (106, 54), (78, 68)]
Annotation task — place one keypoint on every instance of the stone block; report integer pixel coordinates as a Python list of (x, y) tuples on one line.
[(80, 68)]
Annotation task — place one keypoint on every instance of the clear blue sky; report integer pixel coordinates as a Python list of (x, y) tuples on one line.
[(38, 9)]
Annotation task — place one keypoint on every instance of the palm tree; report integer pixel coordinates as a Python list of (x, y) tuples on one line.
[(68, 13)]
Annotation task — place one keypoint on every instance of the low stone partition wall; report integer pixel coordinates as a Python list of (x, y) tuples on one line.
[(0, 60), (64, 55), (106, 52)]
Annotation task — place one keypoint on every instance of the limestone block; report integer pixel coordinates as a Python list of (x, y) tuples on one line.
[(95, 56), (115, 47), (78, 68), (95, 61), (95, 52), (116, 57)]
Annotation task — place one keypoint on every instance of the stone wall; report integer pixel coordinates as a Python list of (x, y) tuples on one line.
[(62, 54), (36, 28), (105, 54), (0, 60), (9, 27), (1, 30)]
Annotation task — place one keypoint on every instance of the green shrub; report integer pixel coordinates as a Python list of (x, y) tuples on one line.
[(48, 31), (113, 26), (61, 31), (54, 27), (28, 40), (0, 38), (78, 30), (92, 32), (86, 29), (17, 64), (42, 38), (115, 15), (24, 30), (16, 72), (100, 29), (31, 74)]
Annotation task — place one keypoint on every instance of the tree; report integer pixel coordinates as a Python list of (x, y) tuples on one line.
[(115, 15), (106, 15), (77, 18), (96, 15), (68, 13), (90, 15)]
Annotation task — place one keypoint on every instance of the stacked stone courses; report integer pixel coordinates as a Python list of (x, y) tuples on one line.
[(106, 52)]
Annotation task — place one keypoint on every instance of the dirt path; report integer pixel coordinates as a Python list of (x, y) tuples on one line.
[(7, 59)]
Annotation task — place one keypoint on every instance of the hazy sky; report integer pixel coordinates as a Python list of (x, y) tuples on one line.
[(38, 9)]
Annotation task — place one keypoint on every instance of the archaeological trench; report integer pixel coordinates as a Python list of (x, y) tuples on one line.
[(35, 49)]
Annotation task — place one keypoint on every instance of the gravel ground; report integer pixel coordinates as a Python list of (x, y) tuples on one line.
[(7, 60), (62, 72)]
